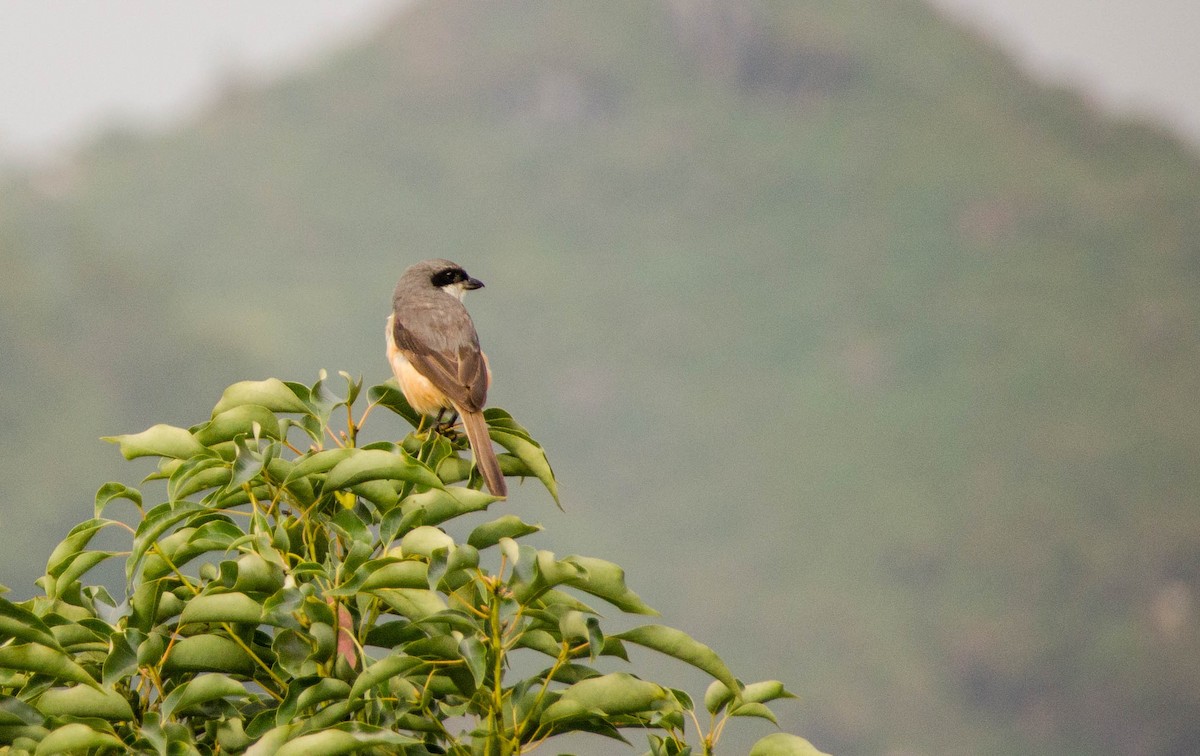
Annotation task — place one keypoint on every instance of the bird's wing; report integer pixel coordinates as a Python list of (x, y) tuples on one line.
[(449, 356)]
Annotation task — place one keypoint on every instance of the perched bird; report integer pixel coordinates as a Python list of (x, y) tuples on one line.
[(434, 352)]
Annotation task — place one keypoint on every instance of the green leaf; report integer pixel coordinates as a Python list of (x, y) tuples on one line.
[(85, 701), (187, 543), (111, 491), (351, 526), (388, 667), (512, 551), (424, 541), (454, 469), (392, 634), (391, 573), (389, 395), (272, 393), (612, 694), (122, 659), (440, 505), (573, 627), (247, 463), (376, 464), (294, 651), (156, 522), (521, 446), (75, 542), (381, 493), (208, 653), (541, 641), (660, 746), (569, 673), (200, 690), (606, 580), (150, 649), (76, 568), (564, 601), (413, 603), (257, 575), (449, 620), (537, 571), (507, 526), (278, 468), (595, 726), (237, 421), (231, 736), (681, 646), (76, 737), (324, 689), (595, 637), (753, 710), (331, 742), (198, 474), (158, 441), (222, 607), (717, 696), (318, 462), (15, 712), (684, 699), (270, 741), (767, 690), (462, 557), (82, 636), (23, 625), (44, 660), (353, 389), (784, 744), (475, 655)]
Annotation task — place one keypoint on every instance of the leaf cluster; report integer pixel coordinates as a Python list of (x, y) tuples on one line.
[(297, 593)]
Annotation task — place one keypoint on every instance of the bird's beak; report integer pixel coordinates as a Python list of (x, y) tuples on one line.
[(472, 283)]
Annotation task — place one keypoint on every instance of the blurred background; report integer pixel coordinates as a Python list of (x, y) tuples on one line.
[(865, 338)]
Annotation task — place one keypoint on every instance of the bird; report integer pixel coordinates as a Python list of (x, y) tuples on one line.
[(434, 352)]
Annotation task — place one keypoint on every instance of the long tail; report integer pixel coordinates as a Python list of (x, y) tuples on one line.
[(485, 456)]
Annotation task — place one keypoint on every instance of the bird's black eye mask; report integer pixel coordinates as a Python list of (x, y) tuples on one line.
[(448, 276)]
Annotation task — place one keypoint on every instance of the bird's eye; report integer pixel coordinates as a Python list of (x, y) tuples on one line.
[(448, 276)]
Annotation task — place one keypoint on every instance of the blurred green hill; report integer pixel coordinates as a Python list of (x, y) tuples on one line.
[(827, 296)]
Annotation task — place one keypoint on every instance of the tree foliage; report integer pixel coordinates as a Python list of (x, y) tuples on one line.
[(298, 592)]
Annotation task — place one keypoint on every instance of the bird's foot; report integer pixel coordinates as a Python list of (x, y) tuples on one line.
[(444, 424)]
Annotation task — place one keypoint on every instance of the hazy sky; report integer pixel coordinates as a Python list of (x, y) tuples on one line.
[(1139, 56), (72, 66)]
